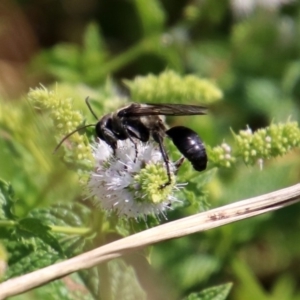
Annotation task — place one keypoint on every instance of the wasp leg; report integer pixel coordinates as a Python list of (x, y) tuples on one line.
[(178, 163), (135, 147), (165, 156)]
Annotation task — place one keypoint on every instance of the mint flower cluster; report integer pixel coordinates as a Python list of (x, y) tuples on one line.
[(272, 141), (130, 185), (169, 85), (255, 147), (64, 118), (220, 156)]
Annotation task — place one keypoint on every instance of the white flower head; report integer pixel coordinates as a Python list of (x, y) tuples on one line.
[(130, 184)]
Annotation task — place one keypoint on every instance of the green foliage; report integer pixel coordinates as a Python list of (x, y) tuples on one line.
[(214, 293), (124, 283), (31, 242), (70, 288), (69, 63), (33, 227), (152, 16), (6, 200)]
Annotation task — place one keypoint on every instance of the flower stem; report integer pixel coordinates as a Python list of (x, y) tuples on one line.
[(59, 229), (70, 230), (7, 223)]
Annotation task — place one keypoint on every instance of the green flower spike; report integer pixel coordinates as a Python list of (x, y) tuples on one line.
[(64, 118), (272, 141), (169, 86), (220, 156), (255, 147)]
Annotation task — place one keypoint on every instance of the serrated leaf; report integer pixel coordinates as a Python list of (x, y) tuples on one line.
[(90, 278), (36, 228), (6, 200), (17, 250), (68, 288), (35, 259), (219, 292), (63, 214), (73, 245), (31, 244)]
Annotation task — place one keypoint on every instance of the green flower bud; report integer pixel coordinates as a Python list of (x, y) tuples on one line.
[(149, 180), (220, 156)]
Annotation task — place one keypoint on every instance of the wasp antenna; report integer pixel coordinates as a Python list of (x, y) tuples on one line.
[(69, 134), (87, 101)]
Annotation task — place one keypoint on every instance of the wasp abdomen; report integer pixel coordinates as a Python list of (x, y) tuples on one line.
[(190, 145)]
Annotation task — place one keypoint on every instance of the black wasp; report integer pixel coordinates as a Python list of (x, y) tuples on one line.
[(142, 122)]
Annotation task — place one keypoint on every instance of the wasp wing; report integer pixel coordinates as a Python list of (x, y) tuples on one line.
[(136, 109)]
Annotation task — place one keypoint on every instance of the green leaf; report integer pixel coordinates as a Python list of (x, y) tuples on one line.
[(94, 53), (93, 41), (248, 283), (31, 244), (219, 292), (32, 260), (36, 228), (194, 193), (66, 55), (151, 14), (6, 200), (90, 278), (29, 248), (124, 283), (63, 214), (196, 268), (69, 215), (66, 289), (16, 249), (285, 288), (201, 179)]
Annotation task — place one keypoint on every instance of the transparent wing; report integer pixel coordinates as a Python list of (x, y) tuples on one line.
[(136, 109)]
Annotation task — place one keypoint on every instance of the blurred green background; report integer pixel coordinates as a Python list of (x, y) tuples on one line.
[(251, 49)]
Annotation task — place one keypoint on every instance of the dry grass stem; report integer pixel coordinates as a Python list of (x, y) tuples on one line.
[(200, 222)]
